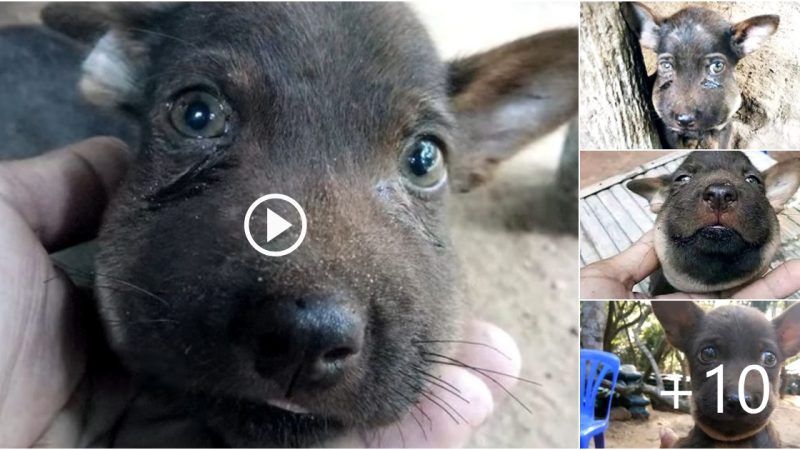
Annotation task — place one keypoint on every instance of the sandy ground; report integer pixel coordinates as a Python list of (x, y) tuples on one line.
[(644, 434), (521, 267)]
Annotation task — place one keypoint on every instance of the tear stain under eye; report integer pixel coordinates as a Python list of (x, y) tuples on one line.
[(190, 181), (666, 85), (708, 83)]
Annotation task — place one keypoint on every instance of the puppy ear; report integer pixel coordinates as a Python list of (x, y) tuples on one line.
[(787, 325), (508, 96), (643, 22), (781, 182), (654, 190), (679, 319), (748, 35), (114, 68)]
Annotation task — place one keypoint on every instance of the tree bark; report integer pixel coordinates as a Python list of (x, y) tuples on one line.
[(614, 111), (593, 321)]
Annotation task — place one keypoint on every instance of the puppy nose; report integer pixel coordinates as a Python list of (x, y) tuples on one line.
[(720, 196), (316, 340), (733, 405), (685, 119)]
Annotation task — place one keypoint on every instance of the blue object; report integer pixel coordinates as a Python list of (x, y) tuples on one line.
[(595, 366)]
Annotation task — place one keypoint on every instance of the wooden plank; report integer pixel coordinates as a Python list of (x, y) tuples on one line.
[(616, 179), (644, 219), (587, 251), (620, 215), (595, 233), (621, 242)]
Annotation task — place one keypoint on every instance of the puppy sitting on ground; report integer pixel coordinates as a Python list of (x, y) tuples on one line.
[(694, 90), (717, 226), (733, 337), (346, 108)]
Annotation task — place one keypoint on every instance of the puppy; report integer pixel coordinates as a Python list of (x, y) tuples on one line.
[(716, 227), (733, 337), (346, 108)]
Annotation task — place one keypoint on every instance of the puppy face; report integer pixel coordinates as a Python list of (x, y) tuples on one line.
[(716, 226), (347, 109), (697, 49), (734, 337)]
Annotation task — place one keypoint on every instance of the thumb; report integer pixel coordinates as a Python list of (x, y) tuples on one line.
[(62, 194)]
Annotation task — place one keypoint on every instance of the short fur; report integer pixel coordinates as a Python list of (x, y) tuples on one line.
[(740, 336), (695, 101), (323, 100), (705, 247)]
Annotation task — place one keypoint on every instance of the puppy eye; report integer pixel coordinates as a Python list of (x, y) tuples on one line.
[(423, 163), (708, 355), (752, 179), (768, 359), (683, 179), (666, 66), (716, 67), (199, 115)]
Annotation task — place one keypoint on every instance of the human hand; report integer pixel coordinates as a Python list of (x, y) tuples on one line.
[(431, 425), (615, 277), (46, 203)]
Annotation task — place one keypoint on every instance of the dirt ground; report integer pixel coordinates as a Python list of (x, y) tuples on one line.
[(521, 266), (644, 433)]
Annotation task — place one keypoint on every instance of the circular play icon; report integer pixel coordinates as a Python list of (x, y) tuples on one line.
[(276, 224)]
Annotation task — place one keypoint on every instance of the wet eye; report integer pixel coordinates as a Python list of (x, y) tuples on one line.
[(768, 359), (708, 355), (716, 67), (665, 66), (423, 163), (683, 179), (752, 179), (199, 115)]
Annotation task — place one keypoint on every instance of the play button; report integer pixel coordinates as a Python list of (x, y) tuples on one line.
[(276, 224)]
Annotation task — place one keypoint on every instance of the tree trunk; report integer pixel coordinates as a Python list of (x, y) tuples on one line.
[(613, 114), (593, 321)]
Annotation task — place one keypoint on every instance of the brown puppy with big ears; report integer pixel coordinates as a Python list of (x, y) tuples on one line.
[(733, 337), (716, 227), (346, 108)]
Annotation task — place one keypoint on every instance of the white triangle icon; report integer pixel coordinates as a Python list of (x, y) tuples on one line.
[(275, 225)]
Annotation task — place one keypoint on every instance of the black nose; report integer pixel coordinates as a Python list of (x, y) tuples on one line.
[(311, 341), (685, 119), (720, 196), (733, 405)]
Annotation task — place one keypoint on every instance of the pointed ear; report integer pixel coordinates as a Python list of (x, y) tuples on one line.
[(643, 22), (679, 319), (787, 325), (654, 190), (509, 96), (112, 71), (748, 35), (781, 182)]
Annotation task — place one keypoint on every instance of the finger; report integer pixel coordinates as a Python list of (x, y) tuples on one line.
[(442, 418), (637, 262), (781, 282), (493, 356), (668, 438), (615, 277), (61, 194)]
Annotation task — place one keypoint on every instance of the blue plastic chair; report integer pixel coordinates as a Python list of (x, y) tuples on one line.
[(595, 366)]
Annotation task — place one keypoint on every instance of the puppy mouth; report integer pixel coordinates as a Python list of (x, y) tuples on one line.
[(717, 232), (289, 406)]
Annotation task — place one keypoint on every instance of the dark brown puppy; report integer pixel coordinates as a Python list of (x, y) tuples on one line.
[(346, 108), (717, 226), (734, 337), (694, 90)]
